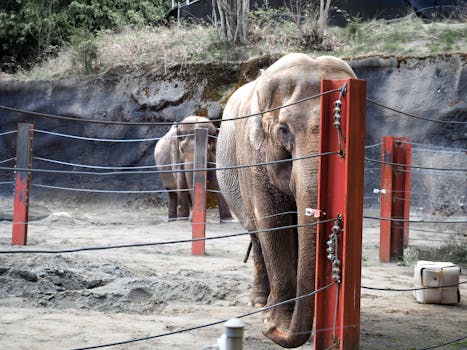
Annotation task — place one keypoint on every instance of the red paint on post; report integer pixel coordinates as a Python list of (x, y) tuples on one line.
[(395, 198), (341, 192), (22, 184), (198, 226)]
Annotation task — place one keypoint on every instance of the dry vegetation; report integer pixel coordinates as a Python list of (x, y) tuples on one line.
[(161, 47)]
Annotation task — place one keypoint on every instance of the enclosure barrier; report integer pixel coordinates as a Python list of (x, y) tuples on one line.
[(333, 245), (340, 194), (22, 183), (198, 228), (395, 198)]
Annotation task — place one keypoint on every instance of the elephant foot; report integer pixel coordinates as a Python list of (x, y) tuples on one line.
[(277, 329), (226, 220), (257, 300)]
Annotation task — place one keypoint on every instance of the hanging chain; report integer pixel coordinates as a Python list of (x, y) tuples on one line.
[(333, 249), (338, 117), (333, 254)]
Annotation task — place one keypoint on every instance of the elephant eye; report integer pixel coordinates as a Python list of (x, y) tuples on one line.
[(285, 136), (282, 130)]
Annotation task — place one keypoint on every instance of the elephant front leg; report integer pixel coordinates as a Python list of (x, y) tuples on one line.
[(260, 291), (172, 205), (280, 257)]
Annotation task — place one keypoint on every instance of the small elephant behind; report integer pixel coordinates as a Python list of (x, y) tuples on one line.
[(175, 151)]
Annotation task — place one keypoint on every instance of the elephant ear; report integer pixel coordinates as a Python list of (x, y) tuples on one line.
[(257, 134)]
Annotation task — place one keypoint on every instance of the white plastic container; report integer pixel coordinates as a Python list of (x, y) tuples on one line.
[(435, 274)]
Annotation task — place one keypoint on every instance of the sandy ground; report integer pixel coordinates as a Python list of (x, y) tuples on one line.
[(78, 300)]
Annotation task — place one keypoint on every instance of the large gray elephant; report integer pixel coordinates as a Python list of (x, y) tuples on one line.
[(276, 195), (176, 151)]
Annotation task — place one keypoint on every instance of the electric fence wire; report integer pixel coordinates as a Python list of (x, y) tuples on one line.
[(414, 166), (127, 221), (435, 147), (7, 160), (94, 139), (184, 330), (412, 115), (230, 118), (8, 132), (48, 160), (444, 344), (108, 191), (413, 289), (151, 244), (222, 168), (422, 221), (106, 140)]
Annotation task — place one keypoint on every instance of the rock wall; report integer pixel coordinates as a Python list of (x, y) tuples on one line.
[(432, 87)]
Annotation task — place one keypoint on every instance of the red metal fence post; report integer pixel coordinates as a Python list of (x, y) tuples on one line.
[(22, 184), (340, 193), (395, 198), (198, 225), (406, 151)]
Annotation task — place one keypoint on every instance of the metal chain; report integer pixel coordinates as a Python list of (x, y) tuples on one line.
[(333, 251), (338, 117)]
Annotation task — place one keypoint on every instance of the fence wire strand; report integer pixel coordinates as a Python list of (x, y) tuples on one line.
[(94, 121), (8, 132), (151, 244), (413, 166), (108, 167), (7, 160), (168, 171), (184, 330), (108, 191), (95, 139), (412, 115)]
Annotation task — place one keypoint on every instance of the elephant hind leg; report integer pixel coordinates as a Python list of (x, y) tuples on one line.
[(224, 211), (184, 201), (260, 291), (172, 204)]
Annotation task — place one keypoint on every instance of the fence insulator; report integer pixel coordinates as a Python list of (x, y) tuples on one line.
[(234, 334), (340, 191), (395, 198), (22, 183), (198, 225)]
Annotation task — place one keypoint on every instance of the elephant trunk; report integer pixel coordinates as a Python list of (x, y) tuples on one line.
[(303, 185)]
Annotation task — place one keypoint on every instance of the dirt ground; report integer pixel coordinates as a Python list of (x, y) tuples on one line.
[(79, 300)]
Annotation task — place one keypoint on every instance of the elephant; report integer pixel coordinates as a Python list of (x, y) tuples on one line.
[(176, 151), (277, 194)]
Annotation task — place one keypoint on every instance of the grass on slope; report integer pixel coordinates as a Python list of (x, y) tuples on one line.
[(162, 47)]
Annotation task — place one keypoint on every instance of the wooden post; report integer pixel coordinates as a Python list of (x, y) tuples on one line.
[(340, 193), (198, 225), (395, 198), (22, 183)]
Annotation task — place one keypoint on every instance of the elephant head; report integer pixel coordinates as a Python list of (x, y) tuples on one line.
[(280, 134), (186, 141)]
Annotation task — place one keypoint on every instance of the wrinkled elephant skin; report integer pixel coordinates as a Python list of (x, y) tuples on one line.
[(276, 195)]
